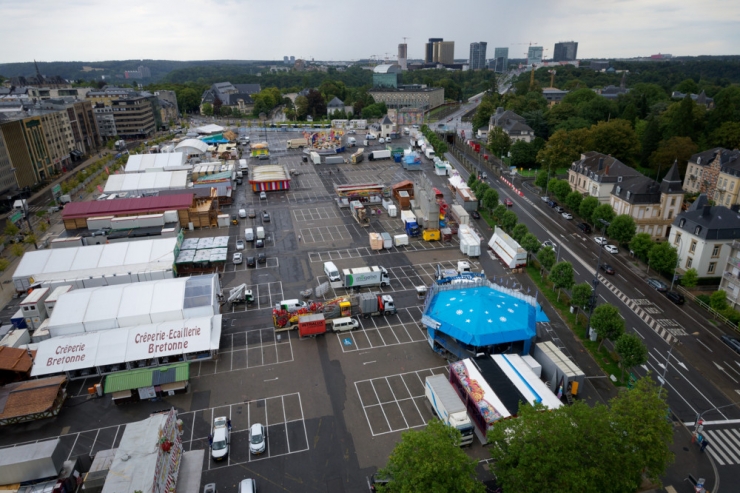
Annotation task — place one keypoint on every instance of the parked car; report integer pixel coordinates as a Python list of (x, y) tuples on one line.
[(559, 209), (259, 244), (261, 258), (237, 259), (567, 215), (220, 434), (265, 217), (508, 202), (675, 297), (611, 249), (657, 284), (247, 486), (549, 243), (545, 198), (251, 262), (242, 213), (381, 140), (607, 268), (240, 244), (600, 240), (263, 196), (552, 203), (251, 213), (475, 214), (257, 439), (733, 342), (376, 479), (584, 227)]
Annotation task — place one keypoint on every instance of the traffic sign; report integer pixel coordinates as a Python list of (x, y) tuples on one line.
[(16, 217)]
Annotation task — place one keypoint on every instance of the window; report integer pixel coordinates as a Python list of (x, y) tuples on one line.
[(673, 201), (712, 267), (688, 262), (697, 230), (692, 248), (716, 250), (681, 223), (670, 214), (677, 239), (732, 185)]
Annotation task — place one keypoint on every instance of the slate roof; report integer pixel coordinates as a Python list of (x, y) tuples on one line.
[(510, 122), (335, 103), (609, 170), (672, 180), (230, 94), (713, 222), (386, 121), (638, 190)]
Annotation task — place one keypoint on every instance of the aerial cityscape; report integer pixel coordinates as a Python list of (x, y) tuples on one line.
[(435, 259)]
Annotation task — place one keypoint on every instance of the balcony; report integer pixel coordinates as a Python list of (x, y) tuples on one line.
[(730, 277), (735, 245)]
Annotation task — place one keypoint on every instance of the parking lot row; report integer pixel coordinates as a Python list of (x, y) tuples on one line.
[(266, 295), (348, 253), (392, 330)]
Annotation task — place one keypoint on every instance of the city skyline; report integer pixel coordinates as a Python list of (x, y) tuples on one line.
[(156, 31)]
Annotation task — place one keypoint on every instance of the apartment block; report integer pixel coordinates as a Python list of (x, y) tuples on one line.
[(134, 117)]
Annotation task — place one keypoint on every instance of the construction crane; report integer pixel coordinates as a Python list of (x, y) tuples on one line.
[(552, 73)]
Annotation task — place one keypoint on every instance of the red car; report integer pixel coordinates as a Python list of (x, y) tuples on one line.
[(508, 202)]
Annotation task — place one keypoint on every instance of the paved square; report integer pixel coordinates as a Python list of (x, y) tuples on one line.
[(375, 332), (243, 350)]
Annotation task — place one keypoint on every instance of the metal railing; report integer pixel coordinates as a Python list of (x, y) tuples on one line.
[(711, 310)]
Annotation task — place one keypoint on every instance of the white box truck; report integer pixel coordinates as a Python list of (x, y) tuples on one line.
[(382, 154), (448, 406), (365, 276), (507, 249), (400, 240), (315, 158), (429, 153), (387, 240)]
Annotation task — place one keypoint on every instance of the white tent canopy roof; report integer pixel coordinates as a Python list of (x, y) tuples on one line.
[(137, 183), (140, 163), (191, 146)]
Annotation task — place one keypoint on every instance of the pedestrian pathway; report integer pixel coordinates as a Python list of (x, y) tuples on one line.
[(724, 445)]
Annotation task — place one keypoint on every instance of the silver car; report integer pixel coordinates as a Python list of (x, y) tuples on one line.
[(257, 439)]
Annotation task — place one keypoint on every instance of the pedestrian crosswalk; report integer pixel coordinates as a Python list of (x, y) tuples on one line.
[(724, 445)]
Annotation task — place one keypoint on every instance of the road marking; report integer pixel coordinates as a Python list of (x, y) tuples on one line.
[(620, 275), (369, 362), (635, 288), (699, 341), (271, 379)]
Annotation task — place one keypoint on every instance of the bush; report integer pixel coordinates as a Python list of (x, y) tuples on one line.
[(731, 315), (704, 298)]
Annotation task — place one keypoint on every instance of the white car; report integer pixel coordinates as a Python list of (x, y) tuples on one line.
[(381, 140), (545, 198), (387, 140), (370, 137), (548, 243), (567, 215), (240, 244), (257, 439), (600, 240), (237, 259), (611, 249), (242, 213), (263, 196), (220, 444)]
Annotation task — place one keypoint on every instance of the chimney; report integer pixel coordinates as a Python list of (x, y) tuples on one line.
[(601, 164), (707, 210)]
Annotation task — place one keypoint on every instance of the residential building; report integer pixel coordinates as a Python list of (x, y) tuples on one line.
[(700, 98), (565, 51), (39, 80), (730, 282), (478, 55), (554, 95), (106, 122), (403, 56), (501, 58), (134, 117), (652, 205), (596, 175), (140, 73), (444, 52), (599, 65), (425, 98), (429, 50), (336, 105), (513, 125), (612, 92), (168, 106), (386, 75), (715, 172), (703, 236), (534, 55), (386, 126), (234, 96), (42, 93), (7, 177), (107, 95)]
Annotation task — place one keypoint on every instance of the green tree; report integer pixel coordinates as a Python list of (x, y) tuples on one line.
[(490, 199), (301, 107), (431, 460), (687, 86), (587, 207), (530, 243), (640, 414), (471, 180), (498, 212), (641, 244), (563, 148), (616, 138), (573, 201), (674, 149), (547, 258), (561, 189), (508, 220), (519, 231), (4, 264), (30, 239), (680, 119), (581, 295), (11, 229), (483, 113), (605, 212), (622, 229), (607, 323), (650, 140), (499, 142), (17, 250), (562, 276), (523, 154), (663, 257), (207, 109), (541, 179), (188, 100), (718, 300), (631, 350), (727, 136), (690, 278)]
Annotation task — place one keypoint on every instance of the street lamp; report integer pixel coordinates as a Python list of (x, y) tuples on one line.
[(595, 281), (678, 261)]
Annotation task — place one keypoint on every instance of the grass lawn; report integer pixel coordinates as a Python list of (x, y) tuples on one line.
[(577, 323), (532, 172)]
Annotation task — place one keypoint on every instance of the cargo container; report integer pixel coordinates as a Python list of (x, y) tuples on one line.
[(448, 406), (387, 240), (311, 325), (314, 157), (459, 214), (507, 249), (381, 154), (297, 143), (375, 304), (400, 240), (376, 241), (365, 276), (32, 462), (334, 160)]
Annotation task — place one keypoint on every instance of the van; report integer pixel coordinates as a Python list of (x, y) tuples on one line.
[(249, 234), (331, 272), (291, 305), (260, 233), (297, 143), (344, 323), (351, 142), (406, 130)]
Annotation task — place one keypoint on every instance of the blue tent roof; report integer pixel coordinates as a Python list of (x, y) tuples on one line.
[(482, 316)]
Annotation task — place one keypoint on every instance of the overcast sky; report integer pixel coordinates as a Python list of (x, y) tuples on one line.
[(94, 30)]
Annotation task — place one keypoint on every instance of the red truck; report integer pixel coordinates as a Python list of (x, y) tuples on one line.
[(311, 325)]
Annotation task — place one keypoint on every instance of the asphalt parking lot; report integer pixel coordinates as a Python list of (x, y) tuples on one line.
[(334, 406)]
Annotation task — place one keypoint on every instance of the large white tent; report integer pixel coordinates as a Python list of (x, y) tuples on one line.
[(192, 147), (132, 305), (149, 163), (138, 183), (97, 265)]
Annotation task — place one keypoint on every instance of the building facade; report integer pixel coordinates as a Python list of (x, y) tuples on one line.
[(429, 50), (730, 282), (234, 96), (168, 106), (652, 205), (444, 52), (534, 55), (703, 236), (565, 51), (715, 172), (501, 60), (596, 175), (85, 134), (512, 124), (478, 55), (403, 56), (134, 117), (106, 122), (7, 177), (403, 97), (386, 75)]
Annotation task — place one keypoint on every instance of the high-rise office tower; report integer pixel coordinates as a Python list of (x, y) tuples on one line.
[(565, 51), (501, 58), (402, 55), (444, 52), (534, 55), (429, 50), (478, 55)]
